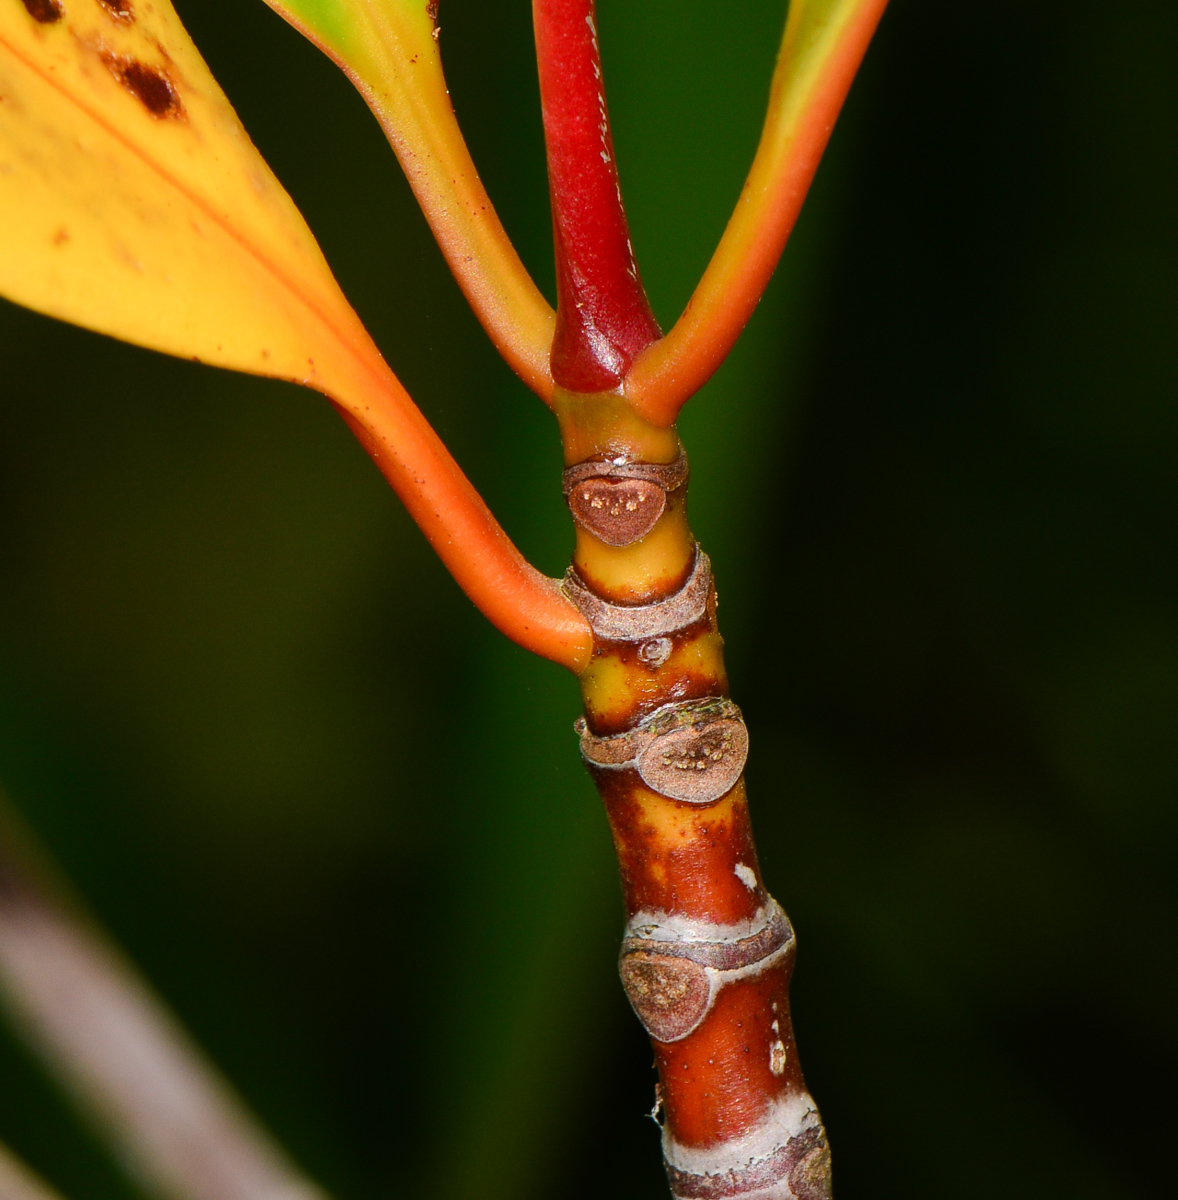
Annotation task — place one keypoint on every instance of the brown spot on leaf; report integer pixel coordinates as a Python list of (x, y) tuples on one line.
[(431, 11), (44, 12), (149, 85), (119, 9)]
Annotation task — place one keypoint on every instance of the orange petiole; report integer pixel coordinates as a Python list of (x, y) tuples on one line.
[(821, 50)]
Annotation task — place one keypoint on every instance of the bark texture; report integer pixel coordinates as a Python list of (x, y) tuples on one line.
[(707, 953)]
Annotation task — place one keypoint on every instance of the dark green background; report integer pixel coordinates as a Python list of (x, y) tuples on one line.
[(278, 751)]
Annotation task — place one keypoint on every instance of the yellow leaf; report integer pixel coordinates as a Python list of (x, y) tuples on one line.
[(133, 202)]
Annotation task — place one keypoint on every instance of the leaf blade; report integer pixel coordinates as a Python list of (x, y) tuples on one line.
[(133, 202), (166, 230)]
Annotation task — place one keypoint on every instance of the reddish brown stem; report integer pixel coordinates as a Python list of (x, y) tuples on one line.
[(707, 955), (603, 319)]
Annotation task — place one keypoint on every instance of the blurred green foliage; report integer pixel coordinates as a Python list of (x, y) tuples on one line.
[(342, 824)]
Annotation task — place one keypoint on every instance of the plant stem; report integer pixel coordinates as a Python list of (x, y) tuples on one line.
[(391, 53), (17, 1182), (708, 954), (821, 50), (124, 1057), (603, 318), (516, 598)]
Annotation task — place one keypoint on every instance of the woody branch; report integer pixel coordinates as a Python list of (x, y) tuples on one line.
[(707, 953)]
